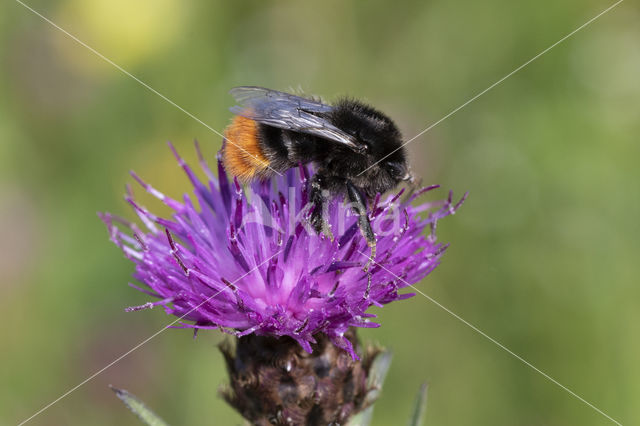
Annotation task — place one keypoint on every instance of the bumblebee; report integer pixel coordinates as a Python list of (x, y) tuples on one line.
[(356, 149)]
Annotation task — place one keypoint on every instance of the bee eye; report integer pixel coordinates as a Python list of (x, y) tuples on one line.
[(396, 169)]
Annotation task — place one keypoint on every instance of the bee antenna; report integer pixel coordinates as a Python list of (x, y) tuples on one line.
[(414, 184)]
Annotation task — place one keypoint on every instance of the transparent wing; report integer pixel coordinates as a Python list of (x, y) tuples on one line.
[(286, 111)]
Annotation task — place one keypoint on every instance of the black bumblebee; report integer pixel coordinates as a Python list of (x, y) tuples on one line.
[(357, 150)]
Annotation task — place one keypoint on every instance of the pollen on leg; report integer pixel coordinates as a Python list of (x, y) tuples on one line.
[(241, 153)]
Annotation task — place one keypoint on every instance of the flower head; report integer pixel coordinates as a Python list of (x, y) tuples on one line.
[(247, 261)]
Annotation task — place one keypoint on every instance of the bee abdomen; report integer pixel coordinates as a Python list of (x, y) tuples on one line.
[(242, 153)]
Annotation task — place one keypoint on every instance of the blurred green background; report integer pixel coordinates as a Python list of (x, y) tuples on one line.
[(543, 256)]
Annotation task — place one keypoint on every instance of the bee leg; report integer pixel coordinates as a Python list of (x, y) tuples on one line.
[(359, 206), (318, 199)]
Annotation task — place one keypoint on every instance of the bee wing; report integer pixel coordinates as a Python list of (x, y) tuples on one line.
[(286, 111)]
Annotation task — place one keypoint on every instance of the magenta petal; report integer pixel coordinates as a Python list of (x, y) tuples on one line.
[(244, 260)]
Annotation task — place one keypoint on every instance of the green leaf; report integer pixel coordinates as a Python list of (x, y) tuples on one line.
[(363, 418), (377, 374), (139, 409), (420, 407)]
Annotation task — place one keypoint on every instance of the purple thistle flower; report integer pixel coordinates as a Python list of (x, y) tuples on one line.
[(247, 261)]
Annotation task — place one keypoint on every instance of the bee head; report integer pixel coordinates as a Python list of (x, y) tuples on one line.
[(382, 163), (398, 171), (384, 175)]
